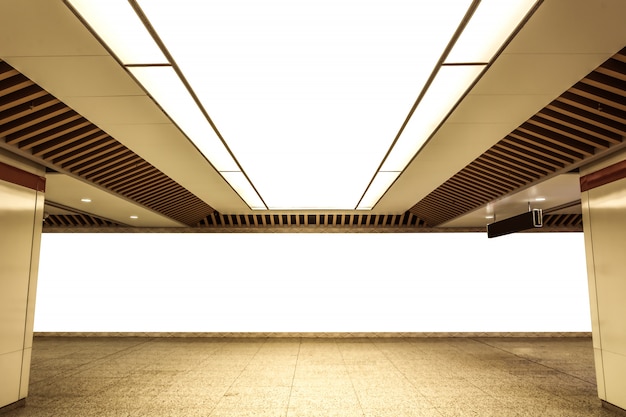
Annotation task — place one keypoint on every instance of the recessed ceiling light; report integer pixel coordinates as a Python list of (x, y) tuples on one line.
[(489, 216), (540, 199), (134, 217), (86, 200)]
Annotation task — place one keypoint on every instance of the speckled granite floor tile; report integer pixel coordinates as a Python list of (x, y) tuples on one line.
[(307, 377)]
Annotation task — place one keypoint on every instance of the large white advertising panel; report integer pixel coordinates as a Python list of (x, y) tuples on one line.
[(312, 282)]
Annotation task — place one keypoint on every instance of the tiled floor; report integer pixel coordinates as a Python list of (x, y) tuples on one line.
[(312, 377)]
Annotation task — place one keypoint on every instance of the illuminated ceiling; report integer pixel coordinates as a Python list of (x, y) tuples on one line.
[(550, 102), (306, 105)]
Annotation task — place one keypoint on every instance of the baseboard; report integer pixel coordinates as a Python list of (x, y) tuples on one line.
[(614, 408), (334, 335), (13, 406)]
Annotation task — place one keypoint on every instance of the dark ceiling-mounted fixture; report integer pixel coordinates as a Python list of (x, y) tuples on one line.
[(529, 220)]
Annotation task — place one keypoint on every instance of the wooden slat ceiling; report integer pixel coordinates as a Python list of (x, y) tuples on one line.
[(76, 221), (406, 222), (35, 124), (395, 222), (557, 221), (586, 121)]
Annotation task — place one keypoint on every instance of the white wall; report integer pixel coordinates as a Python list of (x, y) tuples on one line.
[(312, 282)]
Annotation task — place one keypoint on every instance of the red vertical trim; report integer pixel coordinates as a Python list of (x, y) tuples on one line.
[(604, 176), (18, 176)]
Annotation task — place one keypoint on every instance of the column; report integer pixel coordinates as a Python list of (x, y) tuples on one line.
[(603, 187), (21, 216)]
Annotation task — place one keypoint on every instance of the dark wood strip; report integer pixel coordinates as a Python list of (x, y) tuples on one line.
[(6, 71), (602, 96), (591, 135), (35, 121), (40, 122), (606, 82), (468, 186), (556, 138), (105, 160), (31, 94), (93, 157), (498, 176), (590, 109), (528, 163), (592, 122), (140, 180), (529, 152), (13, 84), (129, 161), (129, 173), (67, 142), (507, 163), (25, 109), (72, 152), (526, 139), (48, 137), (613, 68)]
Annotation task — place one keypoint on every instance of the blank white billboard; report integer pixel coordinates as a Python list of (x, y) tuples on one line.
[(312, 282)]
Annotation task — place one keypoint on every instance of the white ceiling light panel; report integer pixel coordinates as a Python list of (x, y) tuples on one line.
[(491, 25), (308, 95), (446, 89), (167, 89), (380, 184), (119, 27), (243, 187)]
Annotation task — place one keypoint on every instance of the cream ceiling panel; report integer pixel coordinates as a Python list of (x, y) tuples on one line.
[(43, 28), (537, 74), (165, 147), (72, 76), (572, 27), (118, 110), (502, 109), (68, 191), (452, 148)]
